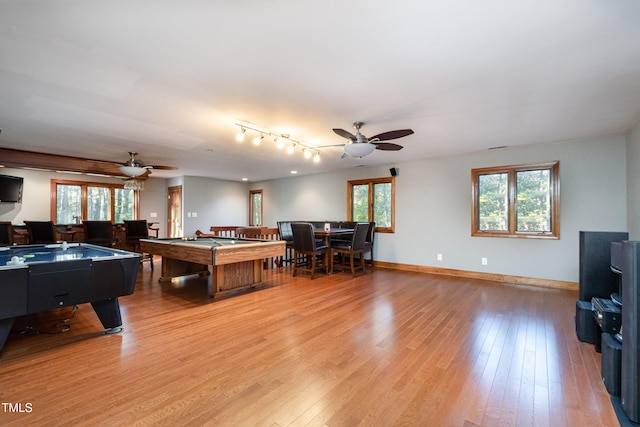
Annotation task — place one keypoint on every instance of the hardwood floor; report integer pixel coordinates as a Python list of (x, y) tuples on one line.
[(385, 348)]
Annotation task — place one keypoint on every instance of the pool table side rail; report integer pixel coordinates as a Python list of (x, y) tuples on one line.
[(199, 254), (232, 254), (204, 254)]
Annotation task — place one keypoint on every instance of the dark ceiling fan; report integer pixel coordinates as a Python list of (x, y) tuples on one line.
[(360, 145)]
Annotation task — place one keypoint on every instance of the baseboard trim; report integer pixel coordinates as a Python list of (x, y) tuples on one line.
[(520, 280)]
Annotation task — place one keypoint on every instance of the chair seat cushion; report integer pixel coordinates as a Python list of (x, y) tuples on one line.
[(341, 246)]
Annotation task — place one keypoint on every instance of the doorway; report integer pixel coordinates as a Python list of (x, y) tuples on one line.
[(174, 209)]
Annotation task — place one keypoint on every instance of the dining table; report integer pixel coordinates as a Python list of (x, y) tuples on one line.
[(327, 234)]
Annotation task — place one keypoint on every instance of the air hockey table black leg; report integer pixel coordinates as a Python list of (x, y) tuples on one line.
[(108, 312), (5, 329)]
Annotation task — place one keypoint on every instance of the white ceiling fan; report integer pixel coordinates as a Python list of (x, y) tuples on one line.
[(134, 167), (360, 146)]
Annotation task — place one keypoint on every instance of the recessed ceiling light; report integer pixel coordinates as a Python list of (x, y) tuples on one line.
[(294, 172), (245, 179)]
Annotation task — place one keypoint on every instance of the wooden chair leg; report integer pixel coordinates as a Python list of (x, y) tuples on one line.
[(326, 262), (351, 263), (313, 266), (295, 264)]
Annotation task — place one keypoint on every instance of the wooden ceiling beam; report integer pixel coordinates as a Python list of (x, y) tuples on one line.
[(54, 162)]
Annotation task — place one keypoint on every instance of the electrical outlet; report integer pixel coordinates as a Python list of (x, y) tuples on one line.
[(439, 257), (484, 261)]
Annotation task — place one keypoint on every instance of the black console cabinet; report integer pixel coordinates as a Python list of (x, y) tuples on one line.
[(630, 360), (595, 276), (595, 279)]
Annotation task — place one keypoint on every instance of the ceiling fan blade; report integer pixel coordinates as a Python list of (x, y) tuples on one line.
[(345, 134), (164, 168), (387, 146), (394, 134)]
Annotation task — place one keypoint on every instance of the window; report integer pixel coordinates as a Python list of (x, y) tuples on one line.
[(255, 207), (516, 201), (372, 200), (74, 201)]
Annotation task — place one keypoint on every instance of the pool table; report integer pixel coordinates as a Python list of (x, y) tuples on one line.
[(235, 263), (36, 278)]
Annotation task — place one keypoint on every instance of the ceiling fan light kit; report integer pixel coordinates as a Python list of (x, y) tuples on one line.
[(359, 149), (133, 167), (132, 171), (134, 184)]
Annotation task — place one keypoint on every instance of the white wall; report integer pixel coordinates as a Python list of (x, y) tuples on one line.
[(153, 201), (633, 182), (36, 190), (214, 202), (433, 208)]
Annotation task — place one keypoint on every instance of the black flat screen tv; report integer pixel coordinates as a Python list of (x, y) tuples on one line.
[(10, 189)]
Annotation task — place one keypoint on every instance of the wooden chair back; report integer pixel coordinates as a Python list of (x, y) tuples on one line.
[(98, 233), (41, 231), (303, 237), (361, 230), (6, 233)]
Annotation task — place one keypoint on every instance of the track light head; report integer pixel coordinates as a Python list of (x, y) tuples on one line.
[(240, 135)]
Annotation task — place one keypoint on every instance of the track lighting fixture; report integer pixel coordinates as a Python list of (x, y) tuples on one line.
[(280, 140)]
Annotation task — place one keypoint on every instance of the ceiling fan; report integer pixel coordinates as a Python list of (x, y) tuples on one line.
[(135, 167), (361, 146)]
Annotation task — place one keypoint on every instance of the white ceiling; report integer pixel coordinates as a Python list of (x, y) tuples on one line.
[(169, 79)]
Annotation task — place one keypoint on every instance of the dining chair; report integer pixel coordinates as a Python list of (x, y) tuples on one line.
[(99, 233), (135, 230), (6, 233), (309, 256), (285, 233), (352, 249), (343, 238), (41, 232), (368, 243)]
